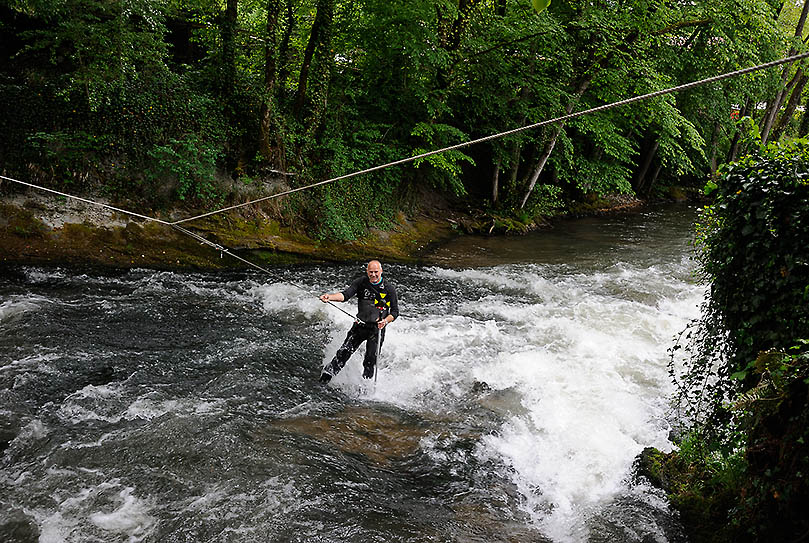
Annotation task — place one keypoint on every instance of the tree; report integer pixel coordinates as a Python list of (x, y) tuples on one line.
[(270, 138), (785, 88)]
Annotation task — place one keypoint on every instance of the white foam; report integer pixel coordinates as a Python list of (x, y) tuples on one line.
[(283, 299), (586, 356), (148, 409), (107, 403), (131, 518), (34, 430), (16, 306), (104, 512), (271, 503), (35, 275)]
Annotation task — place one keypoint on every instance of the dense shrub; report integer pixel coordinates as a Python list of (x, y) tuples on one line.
[(744, 385)]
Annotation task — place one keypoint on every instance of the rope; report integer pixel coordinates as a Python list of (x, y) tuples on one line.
[(225, 250), (194, 235), (563, 118), (92, 202)]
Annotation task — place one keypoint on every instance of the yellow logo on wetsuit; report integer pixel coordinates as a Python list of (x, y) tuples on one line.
[(381, 304)]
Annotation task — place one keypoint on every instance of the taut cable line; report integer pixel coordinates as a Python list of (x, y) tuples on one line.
[(563, 118), (201, 239), (225, 250)]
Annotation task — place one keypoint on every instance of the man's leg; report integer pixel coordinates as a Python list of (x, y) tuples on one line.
[(369, 363), (352, 341)]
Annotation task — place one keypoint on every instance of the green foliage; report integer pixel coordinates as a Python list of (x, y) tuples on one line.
[(774, 416), (193, 163), (752, 250), (70, 155), (601, 177), (745, 381), (89, 83), (437, 136), (545, 201)]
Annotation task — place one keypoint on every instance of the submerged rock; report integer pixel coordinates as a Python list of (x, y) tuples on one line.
[(17, 527), (649, 464), (379, 436)]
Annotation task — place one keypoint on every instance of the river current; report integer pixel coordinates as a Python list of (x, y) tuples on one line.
[(522, 379)]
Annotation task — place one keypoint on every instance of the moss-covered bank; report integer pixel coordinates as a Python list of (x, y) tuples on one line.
[(113, 241), (37, 229)]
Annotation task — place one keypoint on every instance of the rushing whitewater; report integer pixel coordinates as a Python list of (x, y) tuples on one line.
[(513, 395)]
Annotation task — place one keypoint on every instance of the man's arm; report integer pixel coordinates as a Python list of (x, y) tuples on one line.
[(342, 296)]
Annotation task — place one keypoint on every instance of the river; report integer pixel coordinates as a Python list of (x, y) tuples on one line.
[(522, 379)]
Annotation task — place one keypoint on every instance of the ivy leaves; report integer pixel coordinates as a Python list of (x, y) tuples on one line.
[(751, 244), (540, 5)]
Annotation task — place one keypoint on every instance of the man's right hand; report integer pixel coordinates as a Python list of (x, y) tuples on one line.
[(324, 298)]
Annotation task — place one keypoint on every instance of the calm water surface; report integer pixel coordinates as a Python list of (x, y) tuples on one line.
[(513, 395)]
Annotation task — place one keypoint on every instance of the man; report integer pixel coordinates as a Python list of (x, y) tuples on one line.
[(377, 306)]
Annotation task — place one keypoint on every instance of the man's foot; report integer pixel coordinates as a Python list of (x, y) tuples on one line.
[(325, 376), (367, 373)]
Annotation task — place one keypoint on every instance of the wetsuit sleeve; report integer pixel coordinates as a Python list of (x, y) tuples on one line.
[(394, 301), (352, 289)]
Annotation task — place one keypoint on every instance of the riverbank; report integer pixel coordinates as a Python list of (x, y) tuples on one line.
[(40, 229), (37, 229)]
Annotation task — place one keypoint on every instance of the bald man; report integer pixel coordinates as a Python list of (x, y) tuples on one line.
[(377, 306)]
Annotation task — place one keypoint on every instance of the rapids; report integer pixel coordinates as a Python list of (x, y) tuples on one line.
[(513, 395)]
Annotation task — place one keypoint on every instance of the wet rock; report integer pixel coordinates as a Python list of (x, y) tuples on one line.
[(380, 437), (481, 386), (17, 527), (506, 402), (649, 464)]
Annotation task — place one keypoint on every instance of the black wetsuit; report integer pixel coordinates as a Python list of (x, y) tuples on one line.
[(374, 303)]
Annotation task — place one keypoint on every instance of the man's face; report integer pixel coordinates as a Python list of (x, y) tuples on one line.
[(374, 272)]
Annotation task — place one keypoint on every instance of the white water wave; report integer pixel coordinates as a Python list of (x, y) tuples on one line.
[(291, 303), (587, 357), (111, 404), (17, 306), (103, 512)]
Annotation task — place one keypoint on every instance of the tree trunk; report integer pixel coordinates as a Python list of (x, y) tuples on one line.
[(515, 164), (714, 143), (323, 17), (229, 24), (283, 48), (321, 79), (552, 142), (496, 182), (792, 105), (772, 111), (640, 179), (654, 179), (270, 63), (804, 128), (458, 24)]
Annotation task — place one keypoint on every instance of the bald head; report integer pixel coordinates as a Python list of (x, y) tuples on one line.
[(374, 271)]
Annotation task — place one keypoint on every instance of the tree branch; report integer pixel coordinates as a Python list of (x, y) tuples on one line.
[(682, 24)]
